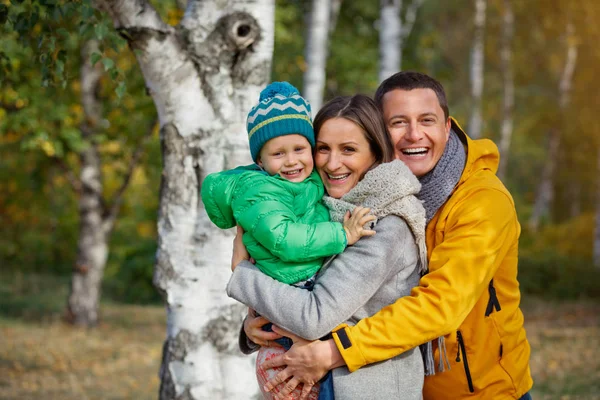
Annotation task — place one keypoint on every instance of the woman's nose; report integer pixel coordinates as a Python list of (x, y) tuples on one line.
[(333, 162)]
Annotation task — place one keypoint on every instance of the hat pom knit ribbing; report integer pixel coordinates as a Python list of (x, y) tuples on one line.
[(278, 88)]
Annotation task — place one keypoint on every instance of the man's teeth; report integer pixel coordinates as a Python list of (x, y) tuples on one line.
[(338, 177), (416, 150)]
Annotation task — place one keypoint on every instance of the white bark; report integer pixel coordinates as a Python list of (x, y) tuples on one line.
[(390, 30), (94, 228), (393, 31), (317, 40), (508, 100), (96, 219), (203, 78), (597, 230), (476, 70), (545, 194)]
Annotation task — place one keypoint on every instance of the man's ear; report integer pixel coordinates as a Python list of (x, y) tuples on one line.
[(448, 126)]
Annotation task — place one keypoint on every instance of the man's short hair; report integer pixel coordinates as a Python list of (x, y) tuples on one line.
[(409, 80)]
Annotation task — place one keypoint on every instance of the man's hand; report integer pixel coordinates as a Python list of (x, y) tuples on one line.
[(252, 327), (239, 250), (306, 363)]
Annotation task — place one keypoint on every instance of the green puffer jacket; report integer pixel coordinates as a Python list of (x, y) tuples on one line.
[(287, 227)]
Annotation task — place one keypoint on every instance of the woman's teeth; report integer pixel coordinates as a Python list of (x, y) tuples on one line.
[(337, 177)]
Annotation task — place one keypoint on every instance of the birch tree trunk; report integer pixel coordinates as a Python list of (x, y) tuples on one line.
[(508, 100), (545, 194), (92, 246), (317, 40), (390, 29), (204, 76), (597, 231), (96, 215), (476, 70), (393, 31)]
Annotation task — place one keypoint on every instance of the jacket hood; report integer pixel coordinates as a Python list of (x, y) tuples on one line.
[(482, 154)]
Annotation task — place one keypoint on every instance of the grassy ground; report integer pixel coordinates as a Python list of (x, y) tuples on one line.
[(41, 358)]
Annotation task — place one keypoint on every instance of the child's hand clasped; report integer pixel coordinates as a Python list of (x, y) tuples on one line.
[(354, 224)]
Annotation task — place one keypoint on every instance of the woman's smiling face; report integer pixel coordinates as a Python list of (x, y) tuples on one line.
[(343, 155)]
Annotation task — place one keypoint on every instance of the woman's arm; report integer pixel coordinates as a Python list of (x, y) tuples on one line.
[(346, 284)]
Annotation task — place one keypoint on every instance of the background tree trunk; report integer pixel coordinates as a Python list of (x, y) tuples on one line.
[(317, 39), (390, 30), (393, 30), (476, 70), (597, 231), (203, 76), (96, 217), (92, 246), (545, 192), (508, 99)]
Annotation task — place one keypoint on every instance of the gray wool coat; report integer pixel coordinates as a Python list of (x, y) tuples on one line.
[(353, 285)]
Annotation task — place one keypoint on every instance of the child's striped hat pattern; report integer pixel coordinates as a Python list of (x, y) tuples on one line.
[(280, 111)]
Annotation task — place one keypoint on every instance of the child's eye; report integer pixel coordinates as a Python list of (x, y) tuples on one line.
[(277, 154), (299, 149)]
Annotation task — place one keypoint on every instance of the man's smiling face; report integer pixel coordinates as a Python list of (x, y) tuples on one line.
[(417, 127)]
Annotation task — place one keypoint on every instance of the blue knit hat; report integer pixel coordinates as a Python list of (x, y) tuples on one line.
[(280, 111)]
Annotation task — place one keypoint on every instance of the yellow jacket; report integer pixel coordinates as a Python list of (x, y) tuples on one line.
[(470, 296)]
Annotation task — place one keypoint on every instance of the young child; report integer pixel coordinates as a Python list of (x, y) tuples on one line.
[(277, 201)]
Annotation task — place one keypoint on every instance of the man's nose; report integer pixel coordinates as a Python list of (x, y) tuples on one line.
[(413, 132)]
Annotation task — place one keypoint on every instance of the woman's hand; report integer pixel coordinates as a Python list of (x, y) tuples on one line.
[(354, 224), (253, 329), (239, 250), (305, 363)]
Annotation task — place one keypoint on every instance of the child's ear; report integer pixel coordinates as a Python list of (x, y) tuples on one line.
[(258, 161)]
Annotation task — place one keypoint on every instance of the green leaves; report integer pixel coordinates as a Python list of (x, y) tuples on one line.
[(3, 13)]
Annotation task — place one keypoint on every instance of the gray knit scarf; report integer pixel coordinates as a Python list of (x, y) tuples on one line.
[(388, 189), (436, 187)]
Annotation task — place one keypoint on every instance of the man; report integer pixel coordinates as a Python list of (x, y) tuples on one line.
[(465, 311)]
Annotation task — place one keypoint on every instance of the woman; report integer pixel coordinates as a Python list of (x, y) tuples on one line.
[(352, 155)]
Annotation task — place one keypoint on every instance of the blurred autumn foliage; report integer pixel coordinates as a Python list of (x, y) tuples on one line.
[(41, 116)]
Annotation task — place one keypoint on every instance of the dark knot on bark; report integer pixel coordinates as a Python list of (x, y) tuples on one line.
[(239, 29)]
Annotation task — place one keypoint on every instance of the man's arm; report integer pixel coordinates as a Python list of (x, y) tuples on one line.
[(474, 245), (346, 284)]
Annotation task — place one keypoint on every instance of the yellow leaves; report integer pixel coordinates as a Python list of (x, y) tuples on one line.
[(146, 229), (111, 147), (174, 16), (48, 148)]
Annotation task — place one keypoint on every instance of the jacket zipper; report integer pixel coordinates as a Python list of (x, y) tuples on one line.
[(461, 349)]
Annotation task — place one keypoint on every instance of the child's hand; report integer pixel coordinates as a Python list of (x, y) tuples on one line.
[(353, 224), (239, 250)]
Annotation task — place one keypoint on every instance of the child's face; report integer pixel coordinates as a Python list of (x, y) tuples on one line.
[(289, 156)]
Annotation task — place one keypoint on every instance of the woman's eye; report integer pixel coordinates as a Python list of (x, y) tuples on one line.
[(349, 149), (322, 149)]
